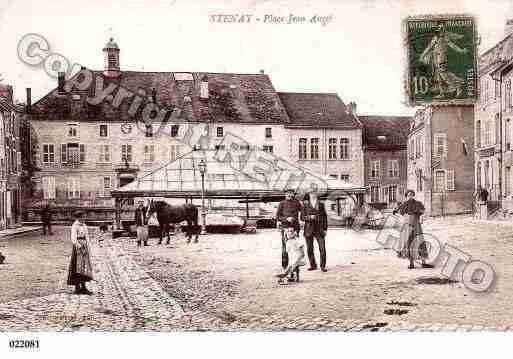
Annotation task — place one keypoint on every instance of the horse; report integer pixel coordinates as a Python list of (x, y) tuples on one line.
[(168, 214)]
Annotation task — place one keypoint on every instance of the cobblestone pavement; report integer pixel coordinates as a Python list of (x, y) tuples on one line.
[(226, 283)]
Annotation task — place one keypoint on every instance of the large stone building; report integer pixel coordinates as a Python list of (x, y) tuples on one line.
[(87, 140), (385, 158), (493, 123), (12, 141), (440, 159)]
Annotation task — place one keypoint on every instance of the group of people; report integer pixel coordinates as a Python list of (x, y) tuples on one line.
[(313, 213)]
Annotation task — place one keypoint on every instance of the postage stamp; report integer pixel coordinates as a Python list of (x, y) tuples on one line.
[(441, 59)]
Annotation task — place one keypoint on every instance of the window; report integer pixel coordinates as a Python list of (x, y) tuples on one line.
[(392, 194), (48, 187), (220, 132), (374, 194), (104, 186), (344, 148), (126, 153), (268, 132), (507, 134), (440, 182), (487, 174), (497, 88), (314, 148), (440, 144), (334, 176), (174, 152), (112, 60), (507, 182), (72, 130), (374, 169), (487, 134), (48, 154), (332, 149), (393, 168), (344, 177), (104, 131), (268, 148), (73, 187), (419, 180), (450, 183), (64, 153), (104, 153), (507, 94), (174, 130), (412, 149), (302, 149), (149, 131), (149, 153)]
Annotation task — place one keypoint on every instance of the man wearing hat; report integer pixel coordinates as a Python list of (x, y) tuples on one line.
[(287, 214), (141, 223), (316, 224)]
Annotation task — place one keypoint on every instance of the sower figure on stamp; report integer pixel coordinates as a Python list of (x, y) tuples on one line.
[(46, 218), (316, 224), (288, 216), (414, 247), (80, 268), (141, 223)]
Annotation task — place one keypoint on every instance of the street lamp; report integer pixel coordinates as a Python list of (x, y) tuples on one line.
[(203, 169)]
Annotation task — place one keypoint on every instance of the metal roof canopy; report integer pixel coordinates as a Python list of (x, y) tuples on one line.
[(233, 174)]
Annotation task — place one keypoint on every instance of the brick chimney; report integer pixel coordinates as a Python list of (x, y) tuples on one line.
[(29, 100), (508, 28), (61, 80)]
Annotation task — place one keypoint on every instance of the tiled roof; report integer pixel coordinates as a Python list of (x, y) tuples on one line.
[(395, 130), (324, 110), (240, 98)]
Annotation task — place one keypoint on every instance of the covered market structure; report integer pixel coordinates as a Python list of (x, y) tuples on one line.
[(237, 174)]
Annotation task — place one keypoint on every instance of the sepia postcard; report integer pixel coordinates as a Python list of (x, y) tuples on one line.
[(170, 168)]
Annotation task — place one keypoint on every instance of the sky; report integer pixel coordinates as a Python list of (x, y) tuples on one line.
[(359, 54)]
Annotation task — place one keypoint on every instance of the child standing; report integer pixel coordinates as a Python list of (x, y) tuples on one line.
[(296, 254)]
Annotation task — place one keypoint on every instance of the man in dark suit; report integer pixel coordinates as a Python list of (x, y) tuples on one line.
[(141, 223), (46, 219), (316, 224), (288, 216)]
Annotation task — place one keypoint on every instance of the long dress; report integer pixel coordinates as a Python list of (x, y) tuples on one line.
[(411, 233), (80, 268)]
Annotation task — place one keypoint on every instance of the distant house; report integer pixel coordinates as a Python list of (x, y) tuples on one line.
[(385, 157)]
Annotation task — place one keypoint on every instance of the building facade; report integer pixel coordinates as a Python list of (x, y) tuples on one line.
[(385, 158), (440, 159), (85, 143), (11, 171)]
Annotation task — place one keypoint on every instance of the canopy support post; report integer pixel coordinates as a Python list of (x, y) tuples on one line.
[(118, 212)]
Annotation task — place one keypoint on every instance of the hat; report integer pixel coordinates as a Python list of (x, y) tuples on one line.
[(78, 214), (408, 191)]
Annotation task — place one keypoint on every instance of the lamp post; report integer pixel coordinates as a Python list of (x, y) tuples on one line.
[(203, 169)]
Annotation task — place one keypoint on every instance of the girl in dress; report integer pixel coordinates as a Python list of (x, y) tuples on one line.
[(296, 255), (80, 269)]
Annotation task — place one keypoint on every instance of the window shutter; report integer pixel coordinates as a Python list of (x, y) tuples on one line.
[(349, 148), (64, 153), (45, 187), (82, 152), (450, 184)]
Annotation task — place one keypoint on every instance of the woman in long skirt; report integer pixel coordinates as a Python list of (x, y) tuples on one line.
[(413, 245), (80, 269)]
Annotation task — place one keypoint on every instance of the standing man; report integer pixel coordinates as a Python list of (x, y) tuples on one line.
[(46, 218), (141, 223), (316, 225), (287, 214)]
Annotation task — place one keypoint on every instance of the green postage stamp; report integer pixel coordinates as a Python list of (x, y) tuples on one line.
[(441, 59)]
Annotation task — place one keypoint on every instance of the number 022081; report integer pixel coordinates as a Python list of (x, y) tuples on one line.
[(24, 344)]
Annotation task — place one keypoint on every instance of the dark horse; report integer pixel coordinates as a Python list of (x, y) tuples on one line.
[(168, 214)]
